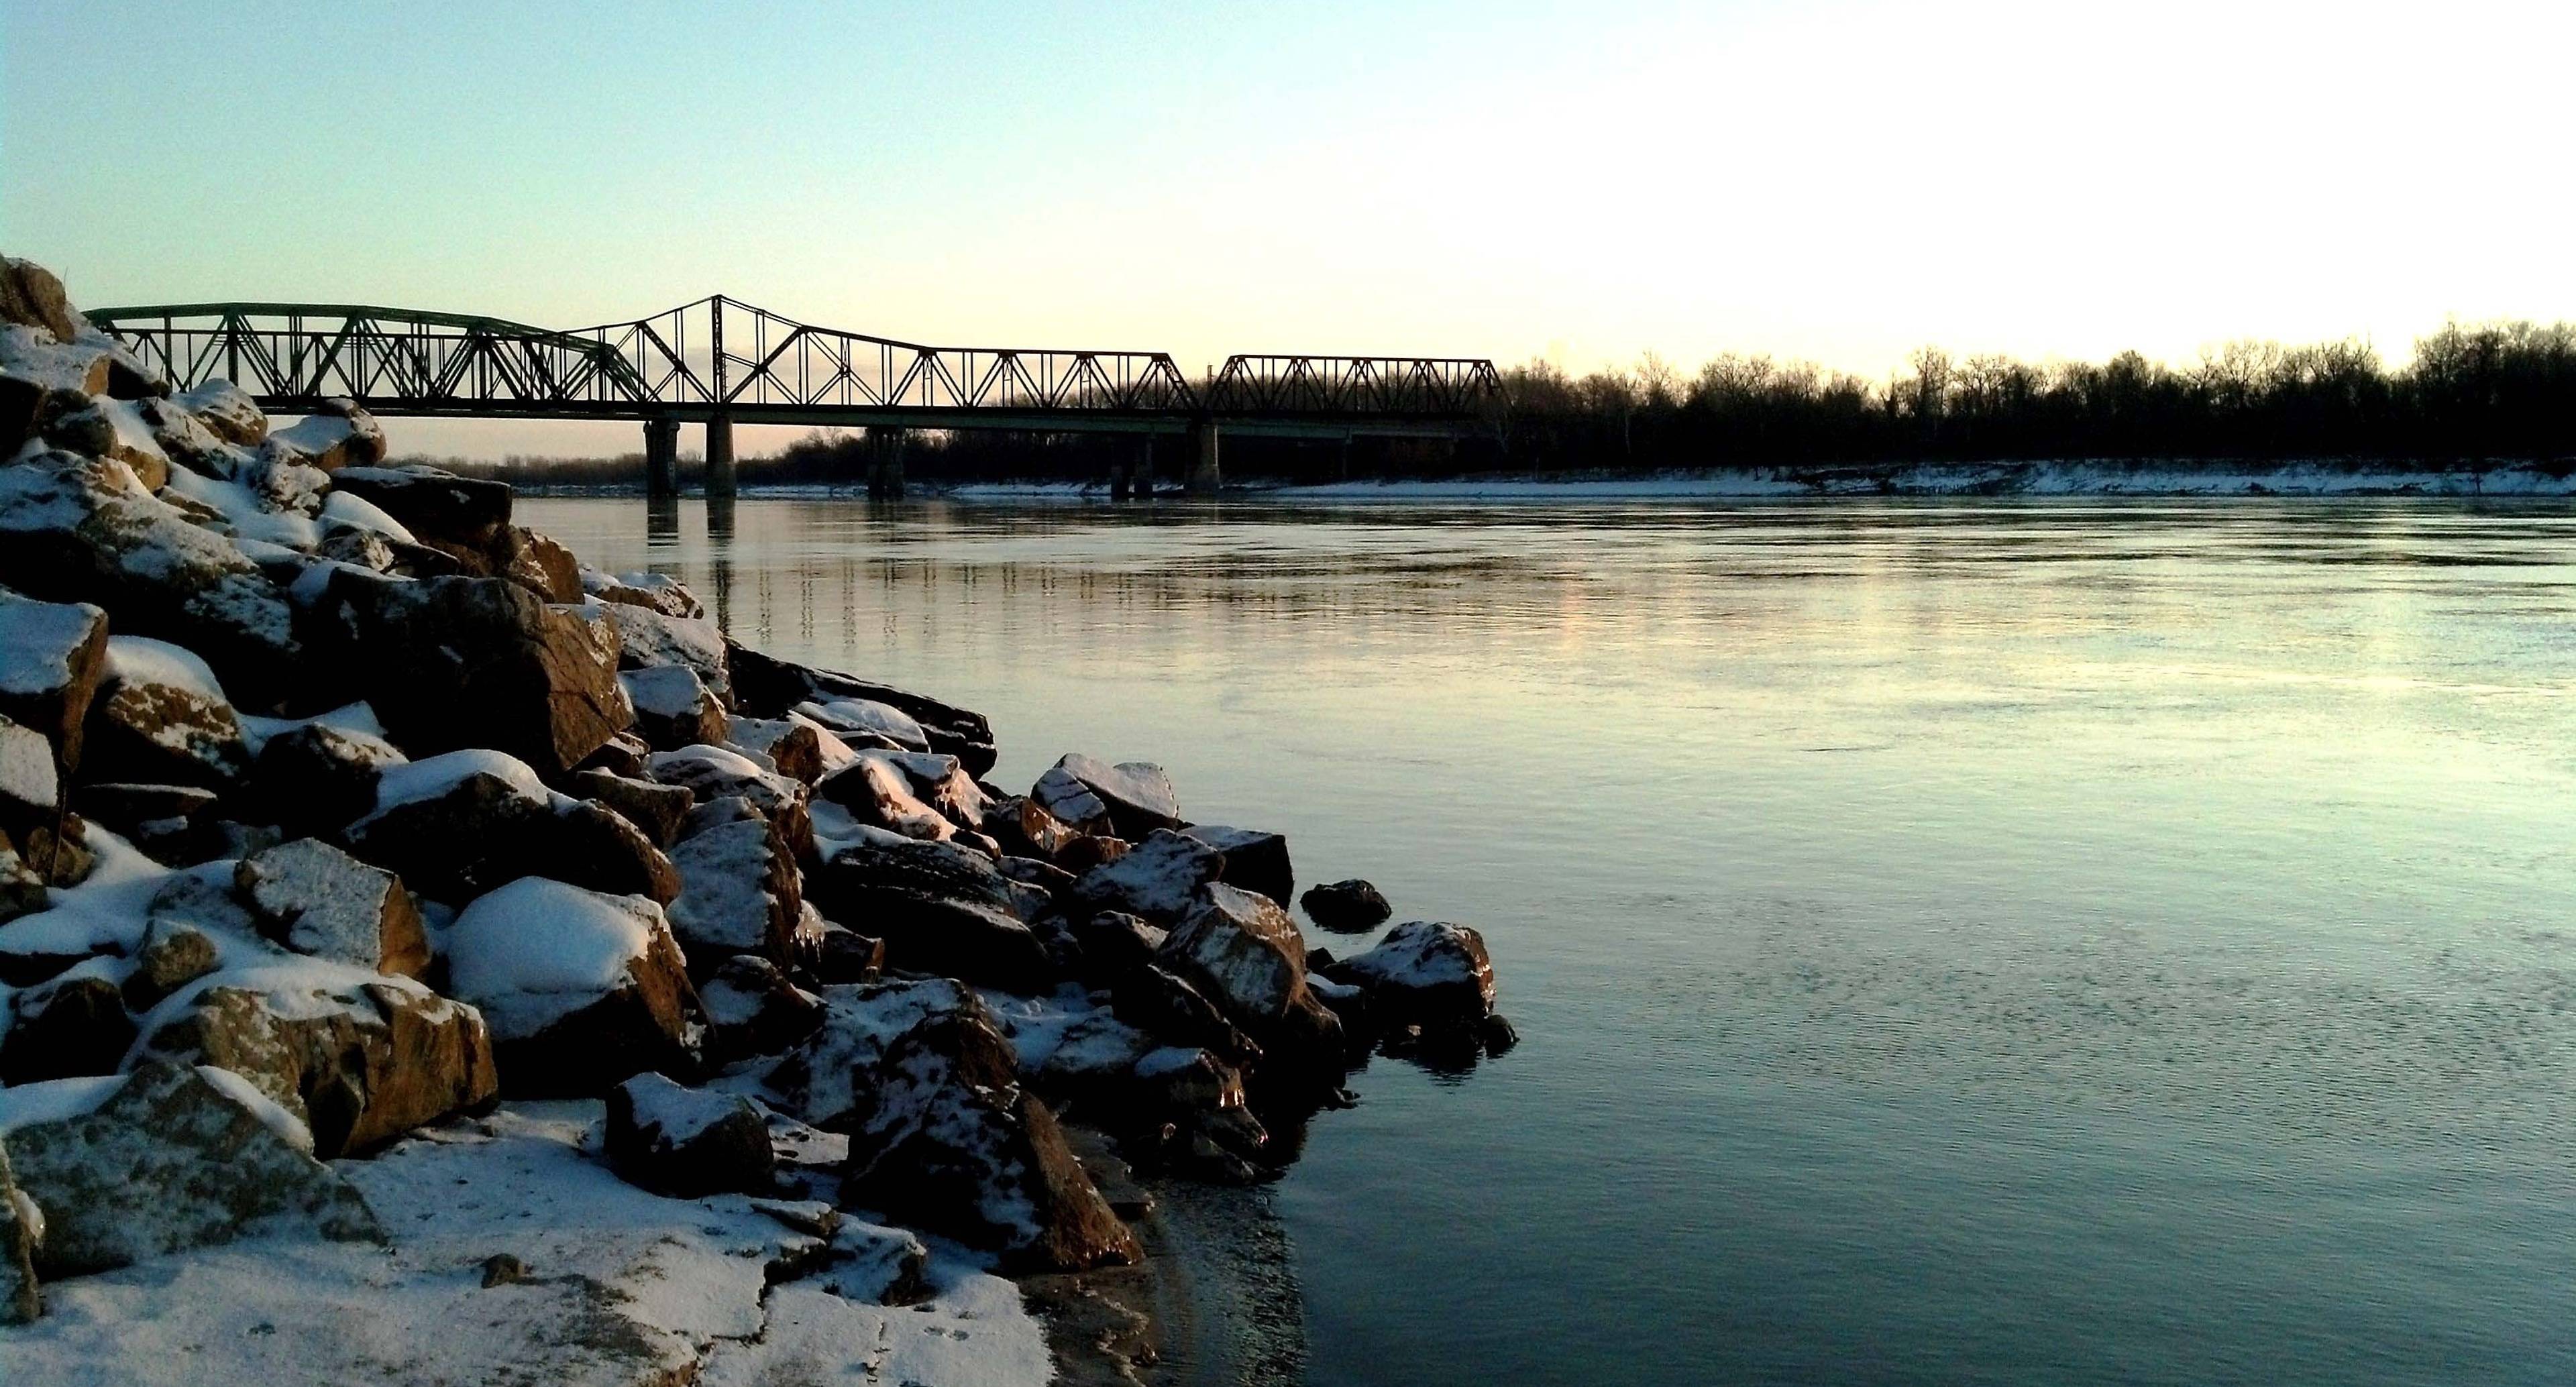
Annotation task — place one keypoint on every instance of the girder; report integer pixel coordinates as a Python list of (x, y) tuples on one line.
[(721, 357)]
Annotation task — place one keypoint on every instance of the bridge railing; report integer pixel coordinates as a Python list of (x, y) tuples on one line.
[(1335, 386)]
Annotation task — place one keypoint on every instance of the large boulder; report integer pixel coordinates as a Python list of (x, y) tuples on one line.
[(110, 429), (648, 639), (659, 591), (944, 1133), (458, 825), (227, 411), (1136, 795), (797, 749), (739, 894), (441, 508), (687, 1143), (316, 776), (33, 296), (767, 687), (319, 901), (52, 657), (940, 908), (161, 717), (712, 773), (1160, 880), (1162, 1004), (449, 663), (359, 1058), (337, 435), (75, 529), (1425, 972), (821, 1081), (753, 1009), (163, 1159), (538, 564), (1254, 860), (1242, 952), (656, 808), (877, 793), (673, 708), (581, 989)]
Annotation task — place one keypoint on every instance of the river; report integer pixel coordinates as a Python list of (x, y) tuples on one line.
[(2054, 941)]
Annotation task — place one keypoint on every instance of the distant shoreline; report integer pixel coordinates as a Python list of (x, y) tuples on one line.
[(2034, 479)]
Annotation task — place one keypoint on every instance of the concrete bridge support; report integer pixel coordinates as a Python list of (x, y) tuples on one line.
[(720, 476), (1204, 476), (661, 457), (885, 464)]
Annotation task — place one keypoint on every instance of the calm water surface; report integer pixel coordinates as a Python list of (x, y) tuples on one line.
[(2057, 942)]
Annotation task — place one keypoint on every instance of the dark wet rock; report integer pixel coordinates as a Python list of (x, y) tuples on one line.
[(1164, 1005), (945, 1133), (686, 1143), (1425, 972), (316, 900), (1115, 943), (450, 663), (74, 1025), (440, 507), (165, 1159), (580, 989), (1346, 907), (53, 656), (768, 687), (458, 825), (315, 777), (168, 822), (1160, 879), (1498, 1035), (1254, 860), (939, 908), (359, 1059)]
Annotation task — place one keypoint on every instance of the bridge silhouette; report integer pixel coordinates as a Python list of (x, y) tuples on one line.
[(720, 362)]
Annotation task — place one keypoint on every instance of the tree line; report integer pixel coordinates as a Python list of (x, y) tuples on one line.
[(2469, 393)]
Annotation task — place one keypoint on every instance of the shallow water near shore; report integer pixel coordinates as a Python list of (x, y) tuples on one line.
[(2062, 941)]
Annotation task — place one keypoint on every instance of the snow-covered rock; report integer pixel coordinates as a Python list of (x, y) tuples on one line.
[(655, 808), (357, 1057), (753, 1009), (459, 824), (658, 591), (877, 793), (1254, 860), (30, 792), (765, 686), (1242, 952), (1425, 972), (22, 1227), (1137, 795), (797, 749), (939, 907), (713, 772), (580, 988), (160, 1160), (174, 954), (866, 721), (740, 893), (1160, 880), (161, 717), (673, 708), (319, 901), (227, 411), (686, 1142), (69, 1026), (341, 435), (316, 776), (649, 639), (52, 656), (440, 508)]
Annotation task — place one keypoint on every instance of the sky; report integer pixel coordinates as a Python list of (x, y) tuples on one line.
[(1839, 181)]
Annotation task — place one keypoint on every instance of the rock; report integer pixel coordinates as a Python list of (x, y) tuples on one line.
[(315, 777), (1136, 794), (945, 1134), (456, 826), (22, 886), (1242, 952), (673, 709), (453, 512), (712, 773), (31, 295), (336, 436), (161, 717), (1087, 851), (581, 989), (656, 809), (877, 793), (502, 1269), (1159, 880), (739, 894), (1160, 1003), (940, 909), (30, 794), (174, 954), (752, 1009), (1426, 973), (845, 956), (768, 687), (359, 1059), (686, 1143), (822, 1080), (1346, 907), (317, 900), (659, 591), (71, 1026), (164, 1159), (1024, 829), (474, 662), (1114, 942), (22, 1229), (114, 430), (538, 564), (75, 529), (1062, 795), (648, 639), (143, 813), (865, 723), (52, 657), (1254, 860), (795, 749), (227, 411), (623, 754), (1497, 1034)]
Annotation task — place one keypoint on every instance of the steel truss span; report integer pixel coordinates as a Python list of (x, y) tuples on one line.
[(719, 357)]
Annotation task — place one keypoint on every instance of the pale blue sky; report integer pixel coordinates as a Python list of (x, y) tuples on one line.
[(1840, 180)]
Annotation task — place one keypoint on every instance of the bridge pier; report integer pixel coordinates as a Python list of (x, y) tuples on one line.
[(1204, 476), (885, 464), (720, 475), (661, 457)]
